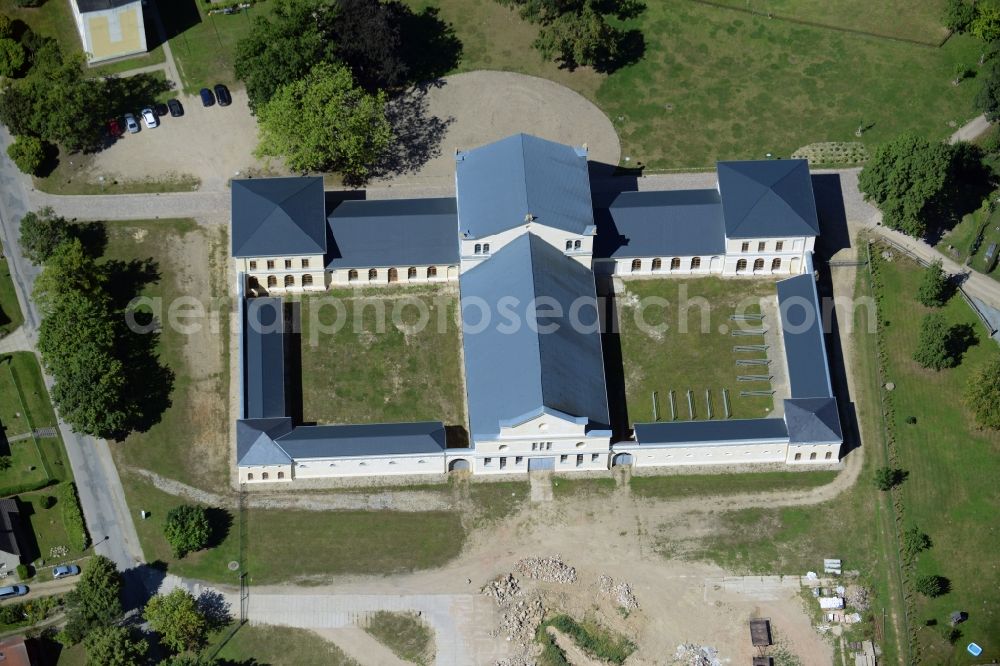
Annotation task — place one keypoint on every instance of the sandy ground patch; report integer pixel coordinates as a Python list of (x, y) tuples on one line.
[(210, 143)]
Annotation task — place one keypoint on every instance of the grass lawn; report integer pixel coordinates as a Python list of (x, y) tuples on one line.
[(494, 501), (963, 237), (74, 175), (951, 492), (190, 443), (409, 639), (10, 309), (691, 485), (715, 83), (294, 545), (563, 486), (50, 532), (360, 374), (281, 646), (54, 18), (204, 45), (698, 358)]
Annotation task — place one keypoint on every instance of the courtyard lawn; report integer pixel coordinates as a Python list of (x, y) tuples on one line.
[(49, 530), (287, 545), (687, 355), (702, 485), (951, 492), (405, 634), (373, 370), (564, 486), (190, 443), (203, 44), (280, 646), (10, 309), (717, 83)]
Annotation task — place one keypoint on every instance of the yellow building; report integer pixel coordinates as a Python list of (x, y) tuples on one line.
[(109, 29)]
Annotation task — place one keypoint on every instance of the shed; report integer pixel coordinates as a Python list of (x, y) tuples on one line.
[(831, 603), (958, 617), (760, 632)]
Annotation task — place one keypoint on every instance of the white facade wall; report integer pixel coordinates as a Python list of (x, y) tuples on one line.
[(374, 276), (648, 267), (285, 274), (791, 255), (562, 462), (812, 454), (704, 454), (318, 468), (265, 473), (555, 237)]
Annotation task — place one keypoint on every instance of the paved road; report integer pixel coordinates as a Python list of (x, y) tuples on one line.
[(99, 487)]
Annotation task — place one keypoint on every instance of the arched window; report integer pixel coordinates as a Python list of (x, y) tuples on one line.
[(281, 475), (486, 248), (289, 281), (272, 281), (479, 248), (828, 455), (393, 275), (798, 456), (569, 245), (636, 265), (307, 280), (576, 245), (264, 476), (657, 264), (775, 264), (758, 265), (432, 272), (675, 263), (695, 263), (372, 274), (250, 476), (741, 265), (352, 275), (411, 273), (812, 456)]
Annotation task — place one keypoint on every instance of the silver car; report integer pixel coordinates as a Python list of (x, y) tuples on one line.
[(131, 123), (64, 570), (13, 591)]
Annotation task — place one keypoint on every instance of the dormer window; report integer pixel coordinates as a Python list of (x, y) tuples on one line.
[(479, 248), (576, 245), (486, 248), (569, 245)]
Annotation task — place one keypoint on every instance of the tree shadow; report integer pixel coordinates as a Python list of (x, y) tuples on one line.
[(141, 583), (127, 279), (50, 160), (429, 46), (961, 337), (93, 236), (132, 93), (970, 181), (214, 608), (630, 48), (418, 134), (221, 521)]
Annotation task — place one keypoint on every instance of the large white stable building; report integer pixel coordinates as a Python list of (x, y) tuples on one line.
[(523, 239)]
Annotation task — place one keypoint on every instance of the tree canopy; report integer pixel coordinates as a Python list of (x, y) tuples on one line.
[(958, 14), (982, 394), (187, 529), (95, 601), (323, 122), (114, 646), (935, 287), (12, 57), (940, 345), (933, 586), (27, 153), (988, 97), (176, 617), (42, 232)]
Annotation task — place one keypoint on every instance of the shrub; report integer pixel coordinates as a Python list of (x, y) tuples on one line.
[(22, 572), (76, 528), (187, 529), (12, 57), (886, 478), (48, 501), (5, 463), (935, 287), (933, 586), (914, 542), (28, 153)]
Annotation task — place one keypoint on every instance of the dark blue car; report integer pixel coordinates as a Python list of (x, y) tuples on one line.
[(207, 98)]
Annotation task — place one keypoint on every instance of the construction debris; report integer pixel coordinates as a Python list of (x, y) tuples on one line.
[(858, 598), (502, 589), (690, 654), (620, 593), (547, 569)]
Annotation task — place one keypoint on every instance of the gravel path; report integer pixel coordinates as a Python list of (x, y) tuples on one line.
[(971, 130)]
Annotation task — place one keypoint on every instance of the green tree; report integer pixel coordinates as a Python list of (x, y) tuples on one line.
[(175, 616), (28, 153), (934, 346), (95, 601), (115, 646), (982, 394), (887, 478), (42, 232), (6, 27), (190, 659), (906, 178), (323, 122), (584, 38), (935, 287), (12, 57), (282, 47), (914, 542), (988, 98), (5, 463), (187, 529), (958, 14), (933, 586), (986, 23)]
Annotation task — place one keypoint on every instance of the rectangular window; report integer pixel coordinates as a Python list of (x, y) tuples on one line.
[(534, 446), (548, 446), (288, 263), (563, 458), (594, 457), (761, 246), (779, 246), (270, 264), (487, 461), (253, 265), (305, 263), (518, 459), (579, 460), (746, 247), (503, 463)]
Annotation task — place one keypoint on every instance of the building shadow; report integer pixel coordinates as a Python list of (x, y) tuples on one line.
[(837, 359), (614, 366), (178, 17), (834, 234), (293, 361), (25, 533), (456, 437), (607, 181)]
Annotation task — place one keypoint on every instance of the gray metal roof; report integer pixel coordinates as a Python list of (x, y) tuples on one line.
[(99, 5), (512, 371), (264, 359), (393, 232), (10, 526), (500, 183), (278, 217), (688, 433), (255, 441), (650, 224), (813, 421), (768, 199), (802, 331), (378, 439)]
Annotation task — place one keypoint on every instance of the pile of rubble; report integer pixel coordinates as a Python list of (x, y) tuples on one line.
[(520, 621), (858, 598), (548, 569), (690, 654), (620, 593), (502, 589)]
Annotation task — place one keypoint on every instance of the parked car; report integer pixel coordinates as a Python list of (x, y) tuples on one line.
[(149, 118), (64, 570), (13, 591), (160, 108), (222, 94), (114, 127), (131, 123), (176, 110), (207, 98)]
